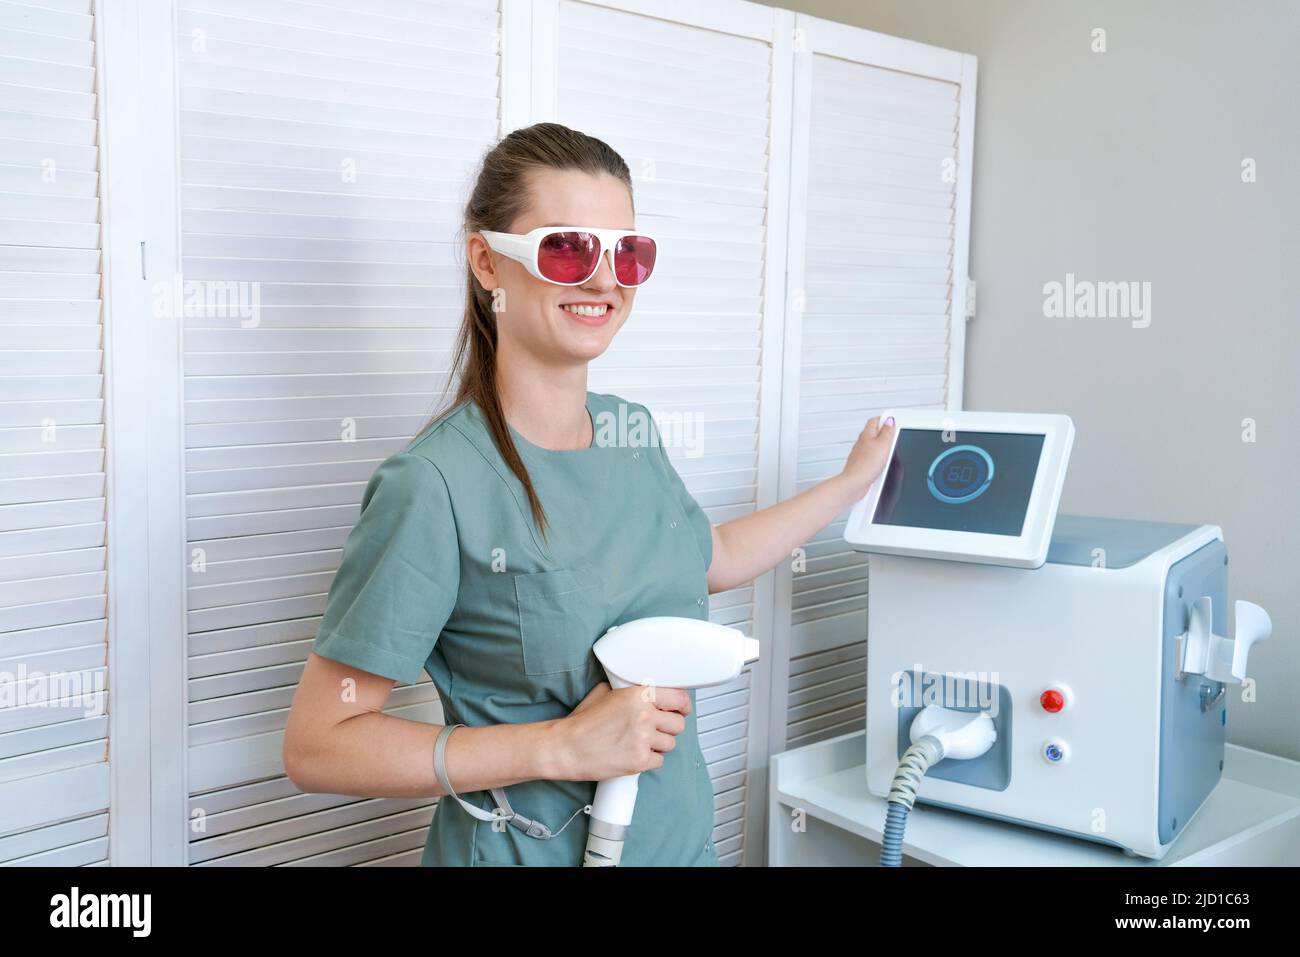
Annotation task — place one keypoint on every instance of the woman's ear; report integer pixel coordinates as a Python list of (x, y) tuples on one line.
[(479, 255)]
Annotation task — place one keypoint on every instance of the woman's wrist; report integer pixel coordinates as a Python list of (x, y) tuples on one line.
[(550, 751), (849, 489)]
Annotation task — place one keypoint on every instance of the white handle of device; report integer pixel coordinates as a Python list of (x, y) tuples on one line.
[(1216, 657), (664, 652)]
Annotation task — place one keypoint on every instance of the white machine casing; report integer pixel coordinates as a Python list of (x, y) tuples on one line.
[(1098, 635)]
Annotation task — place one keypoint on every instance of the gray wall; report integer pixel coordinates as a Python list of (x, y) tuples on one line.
[(1126, 165)]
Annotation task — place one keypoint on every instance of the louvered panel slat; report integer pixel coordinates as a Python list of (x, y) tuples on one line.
[(234, 413), (84, 854), (439, 76), (299, 837), (212, 643), (253, 530), (53, 574), (34, 801), (737, 598), (409, 844), (325, 149), (27, 848), (832, 578), (56, 719), (223, 78), (47, 20), (802, 733), (409, 858), (731, 851), (724, 748), (51, 564), (315, 539), (47, 738), (39, 641), (293, 26), (827, 693), (207, 435), (265, 567)]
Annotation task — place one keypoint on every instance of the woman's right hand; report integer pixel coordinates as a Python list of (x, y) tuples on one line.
[(617, 731)]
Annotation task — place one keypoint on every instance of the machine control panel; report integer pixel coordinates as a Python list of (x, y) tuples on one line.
[(967, 486)]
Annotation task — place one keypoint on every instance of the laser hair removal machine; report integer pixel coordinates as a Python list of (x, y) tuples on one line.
[(662, 652), (1065, 673)]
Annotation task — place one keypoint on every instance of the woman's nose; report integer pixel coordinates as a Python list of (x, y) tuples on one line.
[(603, 277)]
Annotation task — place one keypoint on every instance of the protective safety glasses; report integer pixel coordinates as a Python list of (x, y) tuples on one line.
[(570, 255)]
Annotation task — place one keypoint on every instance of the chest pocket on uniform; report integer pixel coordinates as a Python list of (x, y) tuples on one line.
[(561, 614)]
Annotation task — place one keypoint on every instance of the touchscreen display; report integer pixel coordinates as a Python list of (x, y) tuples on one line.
[(960, 481)]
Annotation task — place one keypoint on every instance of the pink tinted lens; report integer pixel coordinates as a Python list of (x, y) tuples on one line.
[(568, 257), (634, 259)]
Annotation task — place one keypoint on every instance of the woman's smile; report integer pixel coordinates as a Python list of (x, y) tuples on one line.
[(589, 312)]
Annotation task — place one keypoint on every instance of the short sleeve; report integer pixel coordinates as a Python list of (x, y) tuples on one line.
[(397, 583), (699, 522)]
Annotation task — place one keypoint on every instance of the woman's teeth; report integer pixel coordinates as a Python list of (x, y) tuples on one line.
[(586, 310)]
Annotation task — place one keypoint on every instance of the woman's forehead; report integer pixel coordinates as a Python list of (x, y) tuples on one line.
[(576, 198)]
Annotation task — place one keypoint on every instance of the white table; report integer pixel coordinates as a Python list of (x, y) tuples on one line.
[(1251, 818)]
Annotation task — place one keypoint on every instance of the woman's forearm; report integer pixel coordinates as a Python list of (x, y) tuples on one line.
[(379, 755), (339, 741), (746, 547)]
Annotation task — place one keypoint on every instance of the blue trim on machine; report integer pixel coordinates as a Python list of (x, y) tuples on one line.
[(1191, 735), (1110, 542)]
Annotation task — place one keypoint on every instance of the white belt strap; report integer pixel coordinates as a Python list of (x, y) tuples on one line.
[(503, 812)]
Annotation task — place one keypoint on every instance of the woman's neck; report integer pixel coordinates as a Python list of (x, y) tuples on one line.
[(545, 405)]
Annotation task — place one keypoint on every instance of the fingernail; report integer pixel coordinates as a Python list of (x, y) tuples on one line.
[(889, 421)]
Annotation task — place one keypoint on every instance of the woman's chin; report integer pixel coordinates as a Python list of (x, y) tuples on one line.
[(589, 349), (587, 342)]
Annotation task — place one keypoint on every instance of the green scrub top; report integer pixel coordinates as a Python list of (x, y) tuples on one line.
[(446, 570)]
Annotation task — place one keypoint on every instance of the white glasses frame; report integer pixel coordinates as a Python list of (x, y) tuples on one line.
[(523, 248)]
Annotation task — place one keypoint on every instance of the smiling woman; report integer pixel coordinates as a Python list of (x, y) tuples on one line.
[(515, 530)]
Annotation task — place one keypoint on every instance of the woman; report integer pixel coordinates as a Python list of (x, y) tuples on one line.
[(497, 547)]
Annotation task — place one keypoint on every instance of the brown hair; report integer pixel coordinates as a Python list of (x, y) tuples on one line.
[(500, 194)]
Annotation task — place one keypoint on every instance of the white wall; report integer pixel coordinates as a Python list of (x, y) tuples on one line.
[(1126, 165)]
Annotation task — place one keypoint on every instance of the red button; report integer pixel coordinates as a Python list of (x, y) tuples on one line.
[(1052, 700)]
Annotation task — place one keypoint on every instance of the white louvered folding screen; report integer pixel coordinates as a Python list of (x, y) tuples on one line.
[(689, 108), (325, 156), (810, 182), (878, 255), (54, 772)]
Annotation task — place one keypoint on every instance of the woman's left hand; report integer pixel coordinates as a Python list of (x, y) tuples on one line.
[(869, 456)]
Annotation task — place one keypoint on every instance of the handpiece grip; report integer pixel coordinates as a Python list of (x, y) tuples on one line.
[(611, 815)]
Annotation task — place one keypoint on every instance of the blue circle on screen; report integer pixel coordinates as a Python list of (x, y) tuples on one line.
[(960, 474)]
